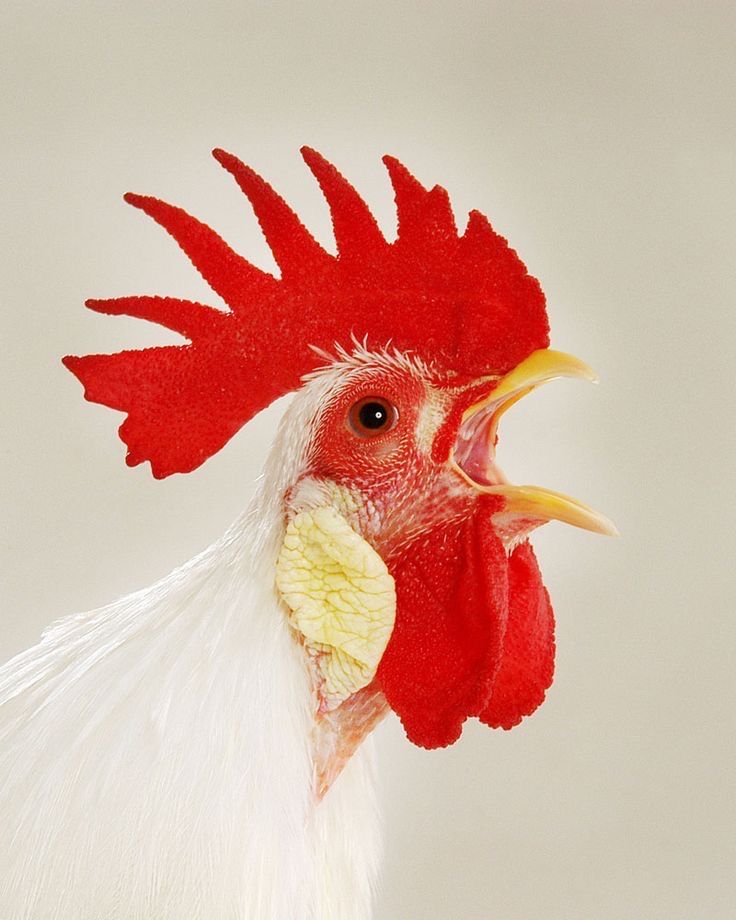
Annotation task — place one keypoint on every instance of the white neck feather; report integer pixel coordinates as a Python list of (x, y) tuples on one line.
[(154, 753)]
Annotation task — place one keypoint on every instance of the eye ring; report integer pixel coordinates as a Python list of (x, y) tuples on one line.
[(371, 416)]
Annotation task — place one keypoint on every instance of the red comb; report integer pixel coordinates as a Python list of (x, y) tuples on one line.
[(464, 303)]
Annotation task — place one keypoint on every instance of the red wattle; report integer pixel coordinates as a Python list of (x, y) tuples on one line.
[(528, 662), (452, 603)]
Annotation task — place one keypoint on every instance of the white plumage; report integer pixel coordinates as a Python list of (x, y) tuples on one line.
[(155, 752)]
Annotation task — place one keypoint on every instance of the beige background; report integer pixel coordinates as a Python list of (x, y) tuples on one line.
[(600, 138)]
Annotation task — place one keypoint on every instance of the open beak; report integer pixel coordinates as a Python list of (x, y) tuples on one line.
[(474, 454)]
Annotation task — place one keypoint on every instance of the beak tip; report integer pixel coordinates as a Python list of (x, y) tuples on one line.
[(597, 523), (587, 373)]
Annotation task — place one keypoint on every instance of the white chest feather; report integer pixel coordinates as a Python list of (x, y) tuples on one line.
[(155, 758), (156, 763)]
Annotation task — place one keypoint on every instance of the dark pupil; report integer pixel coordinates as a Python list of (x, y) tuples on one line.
[(373, 415)]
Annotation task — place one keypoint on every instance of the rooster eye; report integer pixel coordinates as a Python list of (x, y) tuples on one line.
[(372, 416)]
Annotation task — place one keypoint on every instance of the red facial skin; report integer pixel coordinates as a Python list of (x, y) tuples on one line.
[(474, 629), (402, 490)]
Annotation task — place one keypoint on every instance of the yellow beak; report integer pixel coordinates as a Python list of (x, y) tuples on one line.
[(474, 454)]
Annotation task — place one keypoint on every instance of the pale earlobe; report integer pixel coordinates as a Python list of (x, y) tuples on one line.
[(341, 598)]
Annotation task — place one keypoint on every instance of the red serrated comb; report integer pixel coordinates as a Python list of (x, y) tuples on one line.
[(464, 303)]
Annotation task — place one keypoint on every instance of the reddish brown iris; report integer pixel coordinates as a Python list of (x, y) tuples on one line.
[(372, 416)]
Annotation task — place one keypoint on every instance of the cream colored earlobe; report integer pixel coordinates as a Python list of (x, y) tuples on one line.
[(341, 597)]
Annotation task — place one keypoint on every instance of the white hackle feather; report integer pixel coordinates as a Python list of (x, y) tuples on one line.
[(154, 753)]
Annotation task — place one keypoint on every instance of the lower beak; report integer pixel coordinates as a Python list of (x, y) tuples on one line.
[(474, 455)]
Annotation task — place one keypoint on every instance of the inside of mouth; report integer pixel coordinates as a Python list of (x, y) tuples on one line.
[(475, 447)]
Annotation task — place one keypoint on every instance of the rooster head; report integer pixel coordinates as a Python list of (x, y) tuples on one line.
[(405, 567)]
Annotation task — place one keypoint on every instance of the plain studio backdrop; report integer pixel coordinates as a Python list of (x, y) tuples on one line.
[(599, 138)]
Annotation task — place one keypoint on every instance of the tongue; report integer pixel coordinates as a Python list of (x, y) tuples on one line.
[(447, 643), (474, 632)]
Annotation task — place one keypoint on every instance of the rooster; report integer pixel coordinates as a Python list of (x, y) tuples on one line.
[(200, 749)]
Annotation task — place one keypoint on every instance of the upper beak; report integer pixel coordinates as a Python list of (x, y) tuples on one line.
[(474, 453)]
